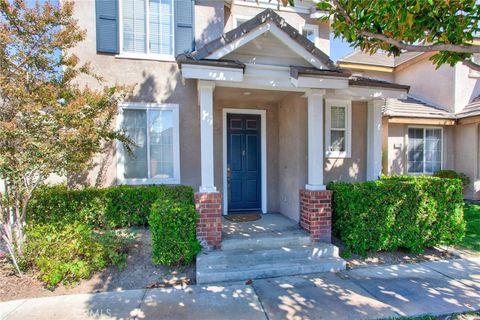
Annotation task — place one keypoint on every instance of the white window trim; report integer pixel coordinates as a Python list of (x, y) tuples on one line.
[(121, 152), (144, 56), (236, 17), (329, 103), (311, 27), (407, 145)]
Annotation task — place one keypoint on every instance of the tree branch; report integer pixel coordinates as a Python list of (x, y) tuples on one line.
[(472, 65), (459, 48)]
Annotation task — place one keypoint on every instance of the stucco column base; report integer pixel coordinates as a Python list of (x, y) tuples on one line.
[(316, 214), (209, 221)]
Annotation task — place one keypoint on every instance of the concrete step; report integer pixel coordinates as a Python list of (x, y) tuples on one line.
[(273, 269), (266, 240), (221, 258)]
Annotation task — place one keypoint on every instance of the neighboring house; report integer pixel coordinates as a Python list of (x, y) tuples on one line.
[(237, 99), (437, 126)]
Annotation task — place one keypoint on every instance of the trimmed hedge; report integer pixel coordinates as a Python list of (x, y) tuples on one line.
[(114, 207), (398, 212), (173, 227)]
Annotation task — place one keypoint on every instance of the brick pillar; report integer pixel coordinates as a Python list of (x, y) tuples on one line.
[(209, 223), (316, 214)]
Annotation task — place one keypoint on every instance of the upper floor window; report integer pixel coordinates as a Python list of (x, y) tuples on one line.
[(147, 27), (310, 32), (338, 128), (424, 150)]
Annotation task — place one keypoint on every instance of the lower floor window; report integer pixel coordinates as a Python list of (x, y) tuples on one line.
[(424, 150), (154, 130)]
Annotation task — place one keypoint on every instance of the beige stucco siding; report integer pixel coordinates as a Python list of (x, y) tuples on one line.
[(435, 85), (292, 157), (353, 168), (467, 156), (209, 21), (153, 81), (467, 86), (396, 145)]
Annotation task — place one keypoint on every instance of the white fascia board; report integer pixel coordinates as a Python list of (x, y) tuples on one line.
[(319, 83), (364, 93), (190, 71)]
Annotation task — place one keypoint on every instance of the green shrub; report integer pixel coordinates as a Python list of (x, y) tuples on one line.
[(114, 207), (398, 213), (70, 252), (173, 227), (451, 174)]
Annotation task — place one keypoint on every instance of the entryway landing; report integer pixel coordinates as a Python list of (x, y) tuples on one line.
[(269, 224)]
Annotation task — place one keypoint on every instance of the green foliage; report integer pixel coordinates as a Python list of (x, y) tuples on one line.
[(472, 235), (67, 253), (119, 206), (452, 174), (396, 25), (394, 213), (173, 227)]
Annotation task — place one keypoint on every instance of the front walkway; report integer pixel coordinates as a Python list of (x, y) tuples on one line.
[(440, 287)]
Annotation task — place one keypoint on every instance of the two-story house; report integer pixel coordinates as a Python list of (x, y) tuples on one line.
[(437, 126), (237, 99)]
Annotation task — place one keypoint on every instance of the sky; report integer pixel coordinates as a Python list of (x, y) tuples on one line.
[(338, 48)]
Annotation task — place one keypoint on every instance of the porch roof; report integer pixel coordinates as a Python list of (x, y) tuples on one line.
[(263, 17)]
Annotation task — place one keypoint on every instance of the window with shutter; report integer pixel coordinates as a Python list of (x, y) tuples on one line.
[(148, 28)]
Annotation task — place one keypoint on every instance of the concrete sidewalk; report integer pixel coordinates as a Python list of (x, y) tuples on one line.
[(378, 292)]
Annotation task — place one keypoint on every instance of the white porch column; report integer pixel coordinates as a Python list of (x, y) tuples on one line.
[(374, 139), (205, 98), (315, 140)]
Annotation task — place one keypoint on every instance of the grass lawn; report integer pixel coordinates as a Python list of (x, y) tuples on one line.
[(472, 236)]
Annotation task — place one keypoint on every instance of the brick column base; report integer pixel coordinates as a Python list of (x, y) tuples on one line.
[(209, 223), (316, 214)]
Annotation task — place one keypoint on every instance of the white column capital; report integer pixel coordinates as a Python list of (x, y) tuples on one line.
[(315, 93), (205, 84)]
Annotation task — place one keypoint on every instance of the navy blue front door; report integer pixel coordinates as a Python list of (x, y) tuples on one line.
[(243, 162)]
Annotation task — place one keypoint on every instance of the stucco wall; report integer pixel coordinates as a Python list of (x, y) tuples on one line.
[(153, 81), (397, 157), (292, 157), (467, 87), (467, 156), (353, 168), (209, 21), (435, 85)]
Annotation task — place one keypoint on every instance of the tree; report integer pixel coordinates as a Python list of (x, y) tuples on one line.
[(49, 124), (446, 28)]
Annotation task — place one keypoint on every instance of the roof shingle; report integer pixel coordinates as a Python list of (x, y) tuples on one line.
[(415, 108)]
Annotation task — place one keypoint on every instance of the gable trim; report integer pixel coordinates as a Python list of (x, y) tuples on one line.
[(269, 18), (279, 34)]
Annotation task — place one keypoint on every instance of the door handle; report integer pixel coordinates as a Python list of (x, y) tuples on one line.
[(229, 174)]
